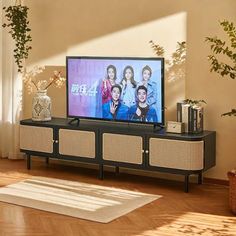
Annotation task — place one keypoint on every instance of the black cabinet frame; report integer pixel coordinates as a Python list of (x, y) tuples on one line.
[(146, 132)]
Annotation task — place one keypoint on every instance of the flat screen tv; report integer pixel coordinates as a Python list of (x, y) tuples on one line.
[(117, 89)]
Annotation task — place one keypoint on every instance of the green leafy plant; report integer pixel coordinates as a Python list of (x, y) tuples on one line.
[(17, 23), (194, 102), (227, 49)]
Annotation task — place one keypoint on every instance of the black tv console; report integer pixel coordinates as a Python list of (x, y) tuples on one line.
[(119, 145)]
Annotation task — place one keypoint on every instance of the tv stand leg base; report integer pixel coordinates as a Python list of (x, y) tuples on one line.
[(186, 182), (117, 170), (101, 174), (200, 178), (28, 161)]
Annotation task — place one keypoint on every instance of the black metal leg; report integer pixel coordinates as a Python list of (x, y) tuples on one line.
[(200, 178), (101, 175), (47, 160), (28, 161), (186, 181), (117, 170)]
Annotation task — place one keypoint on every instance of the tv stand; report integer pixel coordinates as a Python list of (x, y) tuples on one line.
[(77, 120), (158, 127), (104, 144)]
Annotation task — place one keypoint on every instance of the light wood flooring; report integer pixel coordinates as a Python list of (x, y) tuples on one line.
[(202, 211)]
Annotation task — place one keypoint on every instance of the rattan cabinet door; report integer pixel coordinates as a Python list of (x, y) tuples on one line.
[(176, 154), (77, 143), (122, 148), (38, 139)]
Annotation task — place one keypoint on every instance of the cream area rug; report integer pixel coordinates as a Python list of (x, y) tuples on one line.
[(82, 200)]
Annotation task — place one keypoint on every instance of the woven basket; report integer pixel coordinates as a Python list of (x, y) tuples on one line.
[(232, 190)]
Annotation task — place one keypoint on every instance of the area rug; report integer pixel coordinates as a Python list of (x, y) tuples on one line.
[(82, 200)]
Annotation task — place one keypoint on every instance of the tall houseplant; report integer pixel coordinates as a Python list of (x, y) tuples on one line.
[(228, 69), (18, 24), (227, 49)]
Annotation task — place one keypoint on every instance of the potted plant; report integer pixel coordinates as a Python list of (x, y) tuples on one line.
[(41, 104), (228, 69), (18, 24)]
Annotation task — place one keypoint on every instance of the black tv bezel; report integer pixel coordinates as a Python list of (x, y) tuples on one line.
[(120, 58)]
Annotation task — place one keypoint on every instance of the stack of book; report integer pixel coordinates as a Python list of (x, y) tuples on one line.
[(191, 116)]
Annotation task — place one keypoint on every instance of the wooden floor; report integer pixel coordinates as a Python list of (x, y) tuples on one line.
[(202, 211)]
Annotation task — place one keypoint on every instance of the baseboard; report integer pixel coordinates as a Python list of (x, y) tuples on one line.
[(216, 181)]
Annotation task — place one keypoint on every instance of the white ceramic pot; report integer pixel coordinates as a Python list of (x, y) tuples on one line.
[(41, 106)]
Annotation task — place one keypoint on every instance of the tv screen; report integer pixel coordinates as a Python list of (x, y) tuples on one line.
[(118, 89)]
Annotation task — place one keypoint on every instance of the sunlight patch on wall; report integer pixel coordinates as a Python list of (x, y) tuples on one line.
[(134, 41)]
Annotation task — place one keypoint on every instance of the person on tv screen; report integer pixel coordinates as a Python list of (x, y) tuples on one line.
[(114, 109), (150, 85), (128, 87), (142, 111), (107, 83)]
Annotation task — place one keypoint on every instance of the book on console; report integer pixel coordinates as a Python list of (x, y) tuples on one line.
[(196, 119), (186, 118)]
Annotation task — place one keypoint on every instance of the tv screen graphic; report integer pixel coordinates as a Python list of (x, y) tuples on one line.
[(121, 89)]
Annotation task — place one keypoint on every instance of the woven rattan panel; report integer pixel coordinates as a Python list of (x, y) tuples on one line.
[(39, 139), (185, 155), (122, 148), (77, 143)]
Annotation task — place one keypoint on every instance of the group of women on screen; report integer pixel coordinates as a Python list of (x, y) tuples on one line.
[(129, 100)]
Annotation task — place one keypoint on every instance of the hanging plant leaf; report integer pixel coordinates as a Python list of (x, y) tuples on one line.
[(17, 23), (231, 113)]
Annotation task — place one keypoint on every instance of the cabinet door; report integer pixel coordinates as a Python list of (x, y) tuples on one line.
[(176, 154), (122, 148), (38, 139), (77, 143)]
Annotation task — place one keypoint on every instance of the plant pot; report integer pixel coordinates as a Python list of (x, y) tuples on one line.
[(232, 190), (41, 106)]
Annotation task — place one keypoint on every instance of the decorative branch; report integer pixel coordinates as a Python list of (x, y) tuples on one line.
[(30, 80), (56, 79)]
